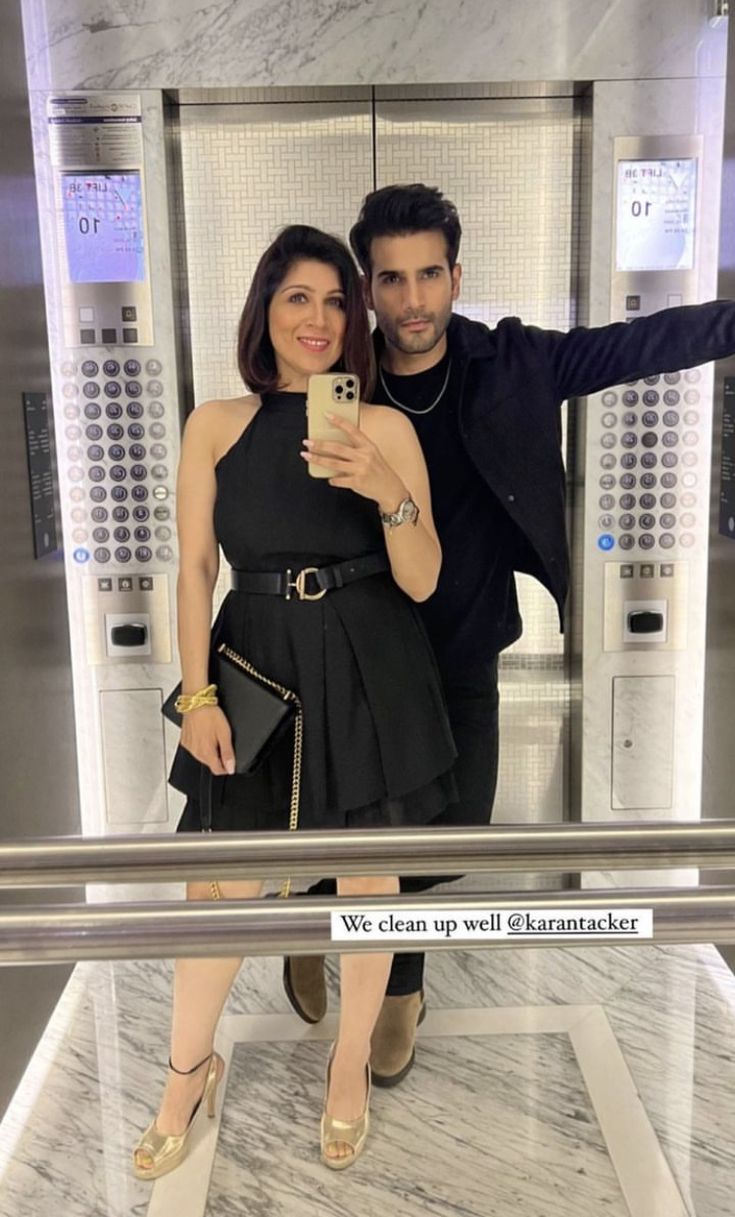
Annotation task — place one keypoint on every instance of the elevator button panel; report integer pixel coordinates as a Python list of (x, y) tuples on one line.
[(126, 455), (649, 464)]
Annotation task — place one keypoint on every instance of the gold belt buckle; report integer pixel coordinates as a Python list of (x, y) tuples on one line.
[(300, 584)]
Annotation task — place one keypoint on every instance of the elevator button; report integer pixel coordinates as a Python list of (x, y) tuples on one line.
[(115, 432), (98, 494), (607, 502), (109, 337), (630, 418), (122, 534), (68, 368), (96, 474), (668, 520), (609, 420), (133, 388), (140, 514), (649, 439), (691, 418), (93, 431), (628, 439), (161, 513), (155, 409), (123, 554), (138, 473), (111, 367), (691, 439), (136, 430), (672, 378), (668, 500), (688, 479), (99, 514), (627, 522), (648, 501), (608, 461), (134, 409), (95, 452), (627, 501), (91, 389), (688, 520), (646, 541), (651, 380), (76, 474), (687, 540), (143, 553), (648, 481), (627, 541), (628, 481), (113, 388), (632, 304), (165, 552), (137, 452), (692, 376), (70, 391), (646, 520), (627, 570), (120, 514), (102, 555), (689, 459), (160, 492), (100, 535), (87, 338), (606, 522), (160, 472), (607, 481), (649, 418), (119, 493), (117, 473), (116, 452), (154, 388), (145, 583), (81, 555), (671, 397), (691, 397), (78, 515), (163, 533), (157, 430), (608, 440), (140, 493), (644, 621), (629, 460), (159, 451), (666, 569), (129, 312), (71, 412), (105, 584), (650, 398), (131, 367), (113, 409), (688, 499), (142, 533), (74, 453), (670, 459), (90, 368), (130, 335), (154, 367), (92, 410), (671, 418), (630, 397)]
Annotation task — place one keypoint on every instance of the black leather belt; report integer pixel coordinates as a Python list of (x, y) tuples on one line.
[(324, 579)]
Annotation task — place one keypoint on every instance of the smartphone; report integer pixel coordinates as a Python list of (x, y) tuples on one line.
[(331, 393)]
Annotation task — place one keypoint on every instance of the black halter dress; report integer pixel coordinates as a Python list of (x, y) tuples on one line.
[(378, 750)]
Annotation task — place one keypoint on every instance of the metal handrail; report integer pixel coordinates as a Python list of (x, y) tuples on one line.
[(301, 925), (60, 861)]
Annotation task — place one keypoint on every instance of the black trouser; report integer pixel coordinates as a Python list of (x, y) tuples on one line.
[(472, 702)]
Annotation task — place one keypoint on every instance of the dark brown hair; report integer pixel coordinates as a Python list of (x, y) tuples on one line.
[(397, 211), (255, 355)]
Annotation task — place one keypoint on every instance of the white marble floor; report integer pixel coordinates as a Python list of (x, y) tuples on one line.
[(548, 1083)]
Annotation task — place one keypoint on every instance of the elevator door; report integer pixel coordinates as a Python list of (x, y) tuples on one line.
[(249, 168)]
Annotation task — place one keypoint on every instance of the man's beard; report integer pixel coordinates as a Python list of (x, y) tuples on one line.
[(415, 344)]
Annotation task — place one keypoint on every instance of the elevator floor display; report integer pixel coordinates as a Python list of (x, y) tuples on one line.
[(548, 1083)]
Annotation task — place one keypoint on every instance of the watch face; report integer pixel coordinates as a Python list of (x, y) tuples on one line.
[(408, 511)]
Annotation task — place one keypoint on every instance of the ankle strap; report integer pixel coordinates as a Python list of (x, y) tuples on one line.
[(194, 1068)]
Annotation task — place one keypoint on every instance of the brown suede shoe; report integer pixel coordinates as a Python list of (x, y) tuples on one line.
[(392, 1047), (305, 985)]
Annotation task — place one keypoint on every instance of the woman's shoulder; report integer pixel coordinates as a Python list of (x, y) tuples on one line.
[(220, 421), (383, 420)]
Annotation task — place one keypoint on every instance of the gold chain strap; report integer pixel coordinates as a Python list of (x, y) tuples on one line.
[(290, 696)]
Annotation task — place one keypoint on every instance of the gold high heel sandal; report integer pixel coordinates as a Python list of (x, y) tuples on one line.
[(346, 1132), (167, 1152)]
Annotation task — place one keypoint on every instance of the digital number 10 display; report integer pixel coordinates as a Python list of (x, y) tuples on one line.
[(103, 227)]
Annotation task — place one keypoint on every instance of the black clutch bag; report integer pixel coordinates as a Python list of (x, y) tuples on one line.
[(259, 710)]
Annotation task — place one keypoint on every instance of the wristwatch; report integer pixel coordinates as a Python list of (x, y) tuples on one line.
[(406, 513)]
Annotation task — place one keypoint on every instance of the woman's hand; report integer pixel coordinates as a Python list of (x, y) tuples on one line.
[(359, 465), (205, 733)]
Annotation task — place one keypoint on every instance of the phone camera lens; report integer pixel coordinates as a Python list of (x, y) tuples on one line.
[(350, 384), (350, 396), (338, 388)]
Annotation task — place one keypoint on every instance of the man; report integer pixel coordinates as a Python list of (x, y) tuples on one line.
[(485, 404)]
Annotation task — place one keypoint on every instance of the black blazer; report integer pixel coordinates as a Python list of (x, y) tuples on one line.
[(515, 378)]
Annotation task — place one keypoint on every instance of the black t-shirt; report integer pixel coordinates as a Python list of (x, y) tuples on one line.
[(474, 611)]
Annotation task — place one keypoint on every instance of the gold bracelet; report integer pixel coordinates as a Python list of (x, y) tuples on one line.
[(187, 702)]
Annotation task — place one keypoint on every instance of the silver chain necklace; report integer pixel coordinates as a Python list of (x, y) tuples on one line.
[(408, 409)]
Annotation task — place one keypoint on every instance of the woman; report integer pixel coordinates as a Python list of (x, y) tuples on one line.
[(377, 747)]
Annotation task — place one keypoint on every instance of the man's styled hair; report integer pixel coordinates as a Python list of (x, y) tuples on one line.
[(397, 211), (295, 243)]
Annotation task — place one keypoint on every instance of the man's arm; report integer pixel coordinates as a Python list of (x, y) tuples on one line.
[(587, 360)]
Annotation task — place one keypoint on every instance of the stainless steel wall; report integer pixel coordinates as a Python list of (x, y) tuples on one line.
[(719, 689), (37, 751)]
